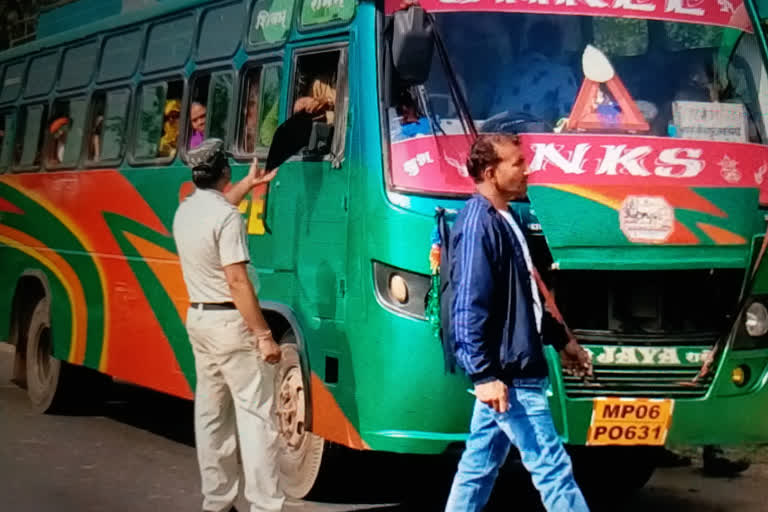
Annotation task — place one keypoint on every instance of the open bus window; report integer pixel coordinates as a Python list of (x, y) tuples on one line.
[(65, 133), (7, 134), (29, 142), (96, 127), (106, 132), (745, 87), (259, 111), (209, 108), (717, 96), (315, 84), (157, 127), (3, 164), (198, 111)]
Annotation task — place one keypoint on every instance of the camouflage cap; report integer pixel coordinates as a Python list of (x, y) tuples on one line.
[(206, 153)]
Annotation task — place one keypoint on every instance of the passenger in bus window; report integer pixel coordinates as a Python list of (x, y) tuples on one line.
[(197, 113), (698, 83), (320, 99), (96, 138), (58, 129), (258, 132), (251, 118), (167, 145)]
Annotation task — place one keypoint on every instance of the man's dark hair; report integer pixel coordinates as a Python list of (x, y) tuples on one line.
[(483, 152)]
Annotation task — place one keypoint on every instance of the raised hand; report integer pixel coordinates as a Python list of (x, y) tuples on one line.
[(257, 176)]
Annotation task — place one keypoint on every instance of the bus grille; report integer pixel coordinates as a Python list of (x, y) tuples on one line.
[(642, 380), (636, 381)]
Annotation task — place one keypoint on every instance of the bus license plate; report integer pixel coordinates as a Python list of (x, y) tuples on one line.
[(630, 421)]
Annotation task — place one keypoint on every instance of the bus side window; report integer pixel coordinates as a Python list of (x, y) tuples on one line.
[(315, 93), (65, 133), (96, 127), (157, 124), (209, 108), (29, 143), (259, 111), (746, 87), (7, 134), (106, 132)]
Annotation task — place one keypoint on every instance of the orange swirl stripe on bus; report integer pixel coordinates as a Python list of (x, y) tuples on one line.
[(6, 206), (69, 280), (721, 236), (165, 266), (86, 243), (329, 421), (678, 197), (82, 214)]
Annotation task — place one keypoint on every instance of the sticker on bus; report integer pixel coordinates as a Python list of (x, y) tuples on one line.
[(630, 421)]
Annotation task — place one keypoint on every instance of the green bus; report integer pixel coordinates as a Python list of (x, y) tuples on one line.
[(643, 123)]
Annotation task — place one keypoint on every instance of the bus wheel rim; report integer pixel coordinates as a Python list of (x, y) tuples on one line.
[(291, 410), (43, 356)]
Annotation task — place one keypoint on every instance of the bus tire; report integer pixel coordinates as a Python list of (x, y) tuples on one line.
[(43, 371), (55, 386), (301, 451)]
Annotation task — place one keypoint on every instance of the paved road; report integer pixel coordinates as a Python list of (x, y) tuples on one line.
[(137, 454)]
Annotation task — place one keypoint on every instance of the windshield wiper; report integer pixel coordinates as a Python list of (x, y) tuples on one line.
[(453, 83)]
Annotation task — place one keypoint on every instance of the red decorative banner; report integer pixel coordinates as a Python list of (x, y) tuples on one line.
[(438, 164), (726, 13)]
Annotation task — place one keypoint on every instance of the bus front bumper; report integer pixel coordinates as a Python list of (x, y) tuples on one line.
[(727, 414)]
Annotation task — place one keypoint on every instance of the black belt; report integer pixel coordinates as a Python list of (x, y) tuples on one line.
[(209, 306)]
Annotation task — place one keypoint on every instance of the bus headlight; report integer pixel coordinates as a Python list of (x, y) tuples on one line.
[(399, 290), (756, 319)]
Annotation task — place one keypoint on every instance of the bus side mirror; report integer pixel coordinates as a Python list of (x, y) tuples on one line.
[(412, 45)]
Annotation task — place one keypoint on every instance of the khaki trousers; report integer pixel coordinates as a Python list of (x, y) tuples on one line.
[(233, 405)]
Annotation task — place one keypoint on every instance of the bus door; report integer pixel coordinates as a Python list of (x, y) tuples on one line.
[(308, 200)]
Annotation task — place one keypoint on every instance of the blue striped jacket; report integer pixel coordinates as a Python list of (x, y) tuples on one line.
[(492, 318)]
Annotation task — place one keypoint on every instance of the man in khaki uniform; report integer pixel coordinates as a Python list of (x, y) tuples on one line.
[(233, 346)]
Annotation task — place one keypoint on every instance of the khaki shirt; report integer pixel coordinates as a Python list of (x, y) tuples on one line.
[(209, 234)]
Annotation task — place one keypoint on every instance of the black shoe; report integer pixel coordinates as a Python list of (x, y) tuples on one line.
[(720, 467), (670, 459)]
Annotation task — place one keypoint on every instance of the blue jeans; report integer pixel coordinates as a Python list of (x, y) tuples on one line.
[(528, 424)]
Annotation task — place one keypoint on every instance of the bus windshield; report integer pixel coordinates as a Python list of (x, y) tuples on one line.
[(541, 73)]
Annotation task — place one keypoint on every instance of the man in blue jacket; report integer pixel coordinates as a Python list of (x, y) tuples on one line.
[(497, 317)]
